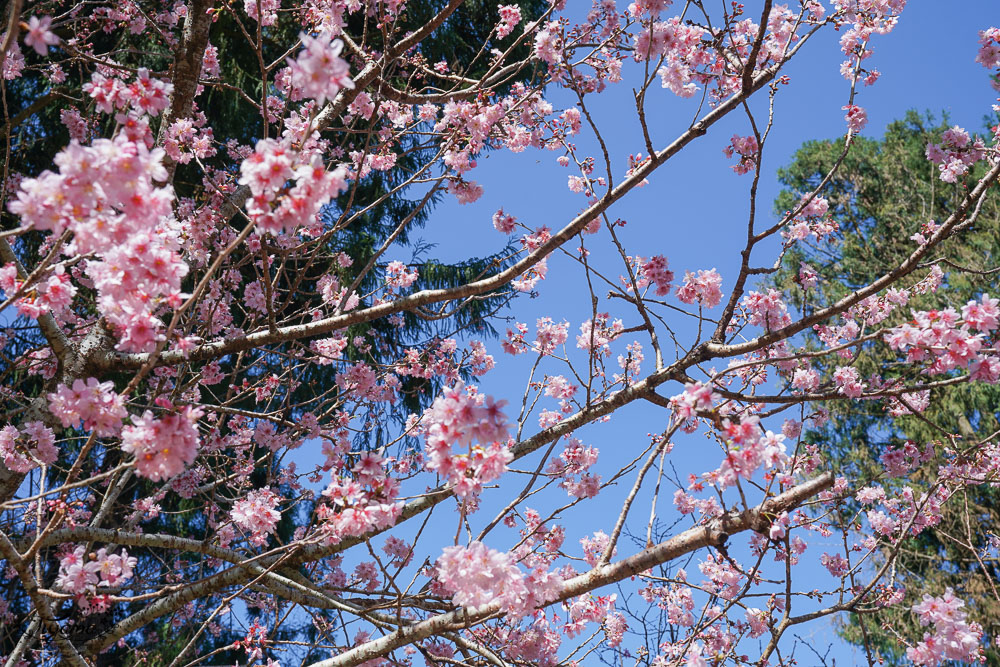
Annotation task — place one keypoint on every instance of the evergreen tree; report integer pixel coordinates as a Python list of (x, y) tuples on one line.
[(884, 191), (36, 131)]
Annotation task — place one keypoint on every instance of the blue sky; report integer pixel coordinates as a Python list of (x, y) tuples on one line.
[(694, 211)]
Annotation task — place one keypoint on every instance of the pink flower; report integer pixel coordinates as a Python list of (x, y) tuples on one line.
[(23, 451), (162, 447), (837, 565), (767, 310), (401, 552), (510, 16), (703, 287), (268, 10), (594, 547), (573, 465), (466, 192), (596, 335), (271, 168), (779, 526), (848, 381), (807, 276), (954, 638), (548, 43), (114, 569), (956, 153), (696, 397), (881, 523), (106, 195), (77, 574), (550, 335), (39, 37), (654, 271), (870, 495), (319, 72), (528, 280), (505, 224), (615, 626), (459, 417), (856, 118), (398, 277), (96, 403), (983, 315), (758, 620), (746, 148), (477, 575), (257, 514), (149, 95), (805, 379), (989, 48)]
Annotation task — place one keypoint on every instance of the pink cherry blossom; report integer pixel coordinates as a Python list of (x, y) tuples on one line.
[(856, 118), (510, 16), (954, 638), (39, 37), (24, 449), (95, 403), (746, 148), (478, 575), (461, 416), (256, 514), (163, 447), (319, 72), (704, 287)]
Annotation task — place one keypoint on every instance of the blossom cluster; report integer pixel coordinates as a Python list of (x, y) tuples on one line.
[(703, 287), (106, 195), (24, 449), (747, 149), (362, 498), (145, 95), (811, 218), (510, 16), (461, 416), (654, 272), (477, 575), (266, 172), (954, 638), (951, 341), (256, 514), (97, 404), (597, 334), (956, 153), (52, 295), (572, 467), (81, 573), (748, 451), (319, 72), (680, 46), (766, 309), (163, 447)]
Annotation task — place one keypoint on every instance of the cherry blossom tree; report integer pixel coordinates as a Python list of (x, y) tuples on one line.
[(196, 335)]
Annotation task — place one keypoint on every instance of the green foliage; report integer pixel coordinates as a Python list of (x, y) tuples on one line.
[(882, 193)]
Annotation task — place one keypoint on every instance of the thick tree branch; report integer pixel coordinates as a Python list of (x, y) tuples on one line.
[(714, 533), (187, 69), (223, 347)]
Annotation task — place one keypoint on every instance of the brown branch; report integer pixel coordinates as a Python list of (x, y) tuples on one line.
[(187, 69), (714, 533), (223, 347)]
